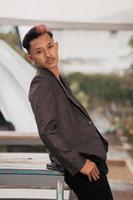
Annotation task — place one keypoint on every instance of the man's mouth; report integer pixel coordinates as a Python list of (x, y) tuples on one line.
[(50, 60)]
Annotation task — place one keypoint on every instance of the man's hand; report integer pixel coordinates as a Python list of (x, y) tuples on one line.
[(90, 169)]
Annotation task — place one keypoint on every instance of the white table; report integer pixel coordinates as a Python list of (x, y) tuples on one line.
[(26, 172)]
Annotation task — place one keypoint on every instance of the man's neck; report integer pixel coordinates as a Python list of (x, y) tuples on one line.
[(55, 71)]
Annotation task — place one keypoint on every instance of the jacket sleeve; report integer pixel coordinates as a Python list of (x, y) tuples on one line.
[(44, 106)]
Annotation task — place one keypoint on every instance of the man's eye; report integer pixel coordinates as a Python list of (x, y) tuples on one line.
[(50, 46), (38, 52)]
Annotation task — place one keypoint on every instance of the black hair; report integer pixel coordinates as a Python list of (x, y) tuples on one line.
[(34, 33)]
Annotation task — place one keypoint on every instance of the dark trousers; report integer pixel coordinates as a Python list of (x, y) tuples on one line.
[(86, 190)]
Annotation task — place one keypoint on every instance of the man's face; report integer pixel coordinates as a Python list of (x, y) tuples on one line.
[(44, 52)]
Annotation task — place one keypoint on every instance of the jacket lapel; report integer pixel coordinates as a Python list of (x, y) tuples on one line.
[(63, 83), (70, 95)]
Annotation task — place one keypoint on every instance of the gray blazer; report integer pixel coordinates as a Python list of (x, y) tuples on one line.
[(63, 123)]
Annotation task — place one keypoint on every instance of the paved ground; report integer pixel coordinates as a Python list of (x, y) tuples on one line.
[(119, 171), (120, 195), (120, 176), (113, 139)]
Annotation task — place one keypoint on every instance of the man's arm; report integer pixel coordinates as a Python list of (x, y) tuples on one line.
[(45, 110)]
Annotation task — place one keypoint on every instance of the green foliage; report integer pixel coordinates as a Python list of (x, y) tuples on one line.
[(131, 42), (13, 40), (104, 88)]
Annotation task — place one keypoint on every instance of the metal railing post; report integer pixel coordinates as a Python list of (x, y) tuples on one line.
[(60, 190)]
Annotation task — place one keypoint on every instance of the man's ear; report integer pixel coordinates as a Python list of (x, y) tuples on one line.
[(29, 57)]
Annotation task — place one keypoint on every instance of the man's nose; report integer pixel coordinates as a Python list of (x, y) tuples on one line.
[(47, 53)]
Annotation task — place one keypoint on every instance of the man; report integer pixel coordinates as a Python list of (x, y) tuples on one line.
[(64, 125)]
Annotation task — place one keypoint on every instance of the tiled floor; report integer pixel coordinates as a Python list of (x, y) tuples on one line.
[(122, 186), (120, 195)]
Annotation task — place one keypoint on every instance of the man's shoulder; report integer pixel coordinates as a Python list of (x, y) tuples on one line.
[(39, 80), (39, 84)]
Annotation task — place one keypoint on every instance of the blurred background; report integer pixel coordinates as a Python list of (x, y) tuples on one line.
[(96, 57)]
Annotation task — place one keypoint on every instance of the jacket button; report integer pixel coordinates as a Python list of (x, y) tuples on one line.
[(90, 122)]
